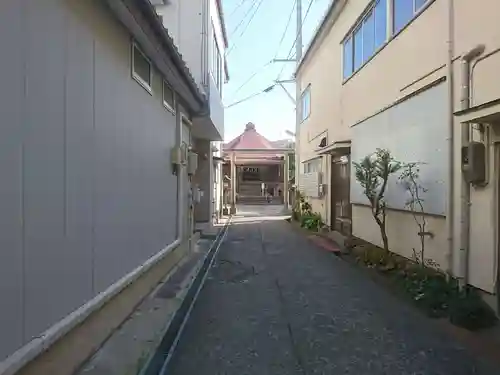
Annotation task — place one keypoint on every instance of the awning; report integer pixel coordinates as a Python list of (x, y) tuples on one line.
[(484, 113), (339, 146)]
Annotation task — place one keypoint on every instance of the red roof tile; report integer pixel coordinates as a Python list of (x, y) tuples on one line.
[(249, 139)]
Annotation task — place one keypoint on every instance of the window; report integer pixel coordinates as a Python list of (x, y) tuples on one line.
[(312, 166), (142, 70), (380, 23), (306, 103), (358, 48), (371, 32), (217, 64), (368, 36), (348, 69), (168, 97), (404, 11)]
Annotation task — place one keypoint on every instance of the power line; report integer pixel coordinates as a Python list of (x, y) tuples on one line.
[(300, 31), (246, 27), (251, 77), (251, 96), (286, 28), (244, 17), (237, 7), (296, 37)]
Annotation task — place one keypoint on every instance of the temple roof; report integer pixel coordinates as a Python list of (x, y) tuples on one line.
[(249, 139)]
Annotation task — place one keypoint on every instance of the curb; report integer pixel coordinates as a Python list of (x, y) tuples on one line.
[(158, 362)]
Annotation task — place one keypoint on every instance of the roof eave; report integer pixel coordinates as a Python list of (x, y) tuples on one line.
[(329, 17), (222, 22), (142, 21)]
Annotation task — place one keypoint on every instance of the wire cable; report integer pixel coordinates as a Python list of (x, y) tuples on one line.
[(296, 37), (237, 7), (252, 77), (249, 97), (286, 28), (254, 2), (299, 31), (246, 27)]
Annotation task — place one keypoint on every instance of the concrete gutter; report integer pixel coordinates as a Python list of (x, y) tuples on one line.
[(159, 360)]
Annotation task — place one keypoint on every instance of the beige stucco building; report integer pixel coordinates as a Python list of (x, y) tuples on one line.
[(405, 76)]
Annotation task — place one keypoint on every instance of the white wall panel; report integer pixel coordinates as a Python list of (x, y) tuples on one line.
[(87, 192), (414, 131)]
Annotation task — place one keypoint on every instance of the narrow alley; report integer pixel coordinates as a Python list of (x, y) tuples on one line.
[(275, 304)]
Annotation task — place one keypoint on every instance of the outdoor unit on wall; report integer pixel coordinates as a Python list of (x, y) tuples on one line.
[(474, 162)]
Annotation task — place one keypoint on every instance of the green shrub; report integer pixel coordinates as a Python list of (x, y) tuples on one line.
[(311, 221), (431, 291), (468, 310)]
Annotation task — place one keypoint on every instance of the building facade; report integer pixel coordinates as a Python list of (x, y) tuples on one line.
[(416, 78), (99, 113), (199, 32), (254, 169)]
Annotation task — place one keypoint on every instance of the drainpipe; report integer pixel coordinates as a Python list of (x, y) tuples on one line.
[(465, 138), (205, 53), (451, 136)]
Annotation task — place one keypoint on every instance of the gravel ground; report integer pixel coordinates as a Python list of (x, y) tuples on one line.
[(275, 304)]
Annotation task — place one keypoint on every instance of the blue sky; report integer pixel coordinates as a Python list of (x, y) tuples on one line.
[(251, 46)]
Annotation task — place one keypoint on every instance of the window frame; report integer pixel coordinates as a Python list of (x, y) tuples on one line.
[(217, 63), (314, 165), (358, 26), (390, 32), (166, 104), (307, 91), (147, 86), (415, 13)]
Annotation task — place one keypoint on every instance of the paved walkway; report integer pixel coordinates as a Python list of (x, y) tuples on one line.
[(274, 304)]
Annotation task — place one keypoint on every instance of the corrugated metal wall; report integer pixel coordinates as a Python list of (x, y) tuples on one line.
[(86, 191)]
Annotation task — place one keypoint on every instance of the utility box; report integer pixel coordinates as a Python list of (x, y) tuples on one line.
[(474, 163), (192, 162), (176, 155)]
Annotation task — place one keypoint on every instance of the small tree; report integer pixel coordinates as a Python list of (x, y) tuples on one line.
[(410, 180), (373, 173)]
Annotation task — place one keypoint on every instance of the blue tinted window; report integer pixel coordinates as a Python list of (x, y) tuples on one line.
[(403, 13), (348, 57), (358, 48), (368, 36), (419, 4), (380, 23), (306, 103)]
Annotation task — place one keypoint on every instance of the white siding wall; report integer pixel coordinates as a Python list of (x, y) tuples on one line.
[(183, 20), (87, 194)]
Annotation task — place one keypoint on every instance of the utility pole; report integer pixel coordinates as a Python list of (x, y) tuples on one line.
[(298, 91)]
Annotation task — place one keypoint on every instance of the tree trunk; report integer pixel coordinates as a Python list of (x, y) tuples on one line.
[(383, 233), (385, 240)]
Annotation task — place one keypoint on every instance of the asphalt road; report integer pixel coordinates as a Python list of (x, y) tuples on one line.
[(275, 304)]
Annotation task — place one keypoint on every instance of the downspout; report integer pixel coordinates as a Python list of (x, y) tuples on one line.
[(205, 15), (451, 137), (465, 140)]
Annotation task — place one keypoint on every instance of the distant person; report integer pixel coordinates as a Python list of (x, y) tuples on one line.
[(270, 194)]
